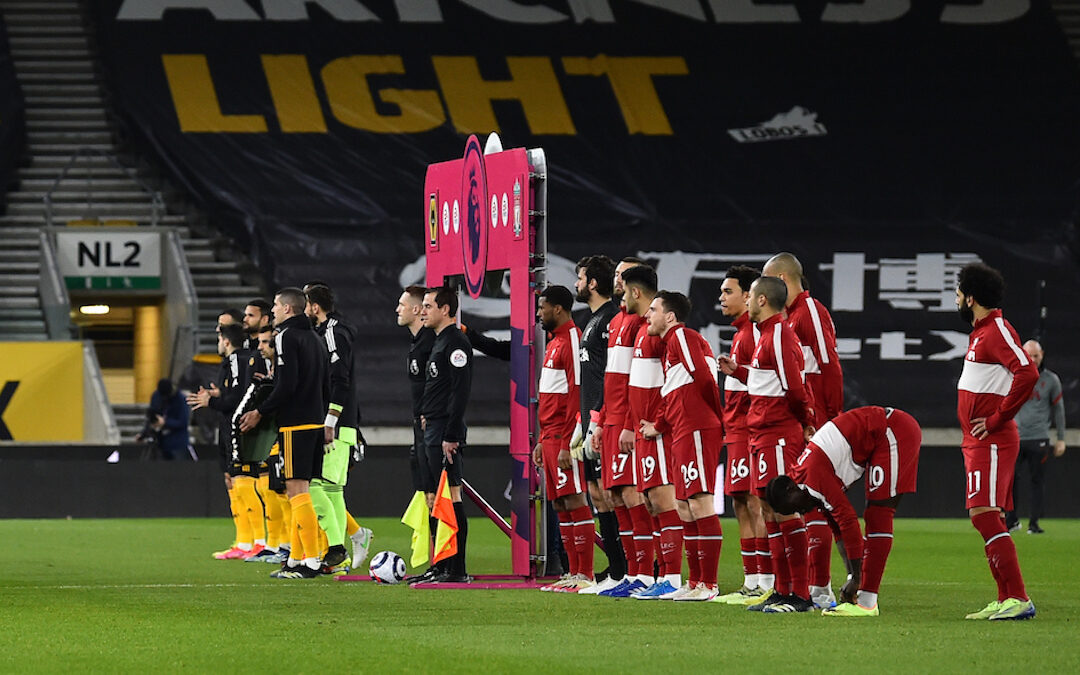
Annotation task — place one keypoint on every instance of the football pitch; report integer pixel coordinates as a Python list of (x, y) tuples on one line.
[(136, 595)]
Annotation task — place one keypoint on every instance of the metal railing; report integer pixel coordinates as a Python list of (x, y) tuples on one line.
[(55, 304), (157, 202)]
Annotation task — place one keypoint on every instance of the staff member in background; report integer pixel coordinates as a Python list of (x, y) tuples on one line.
[(301, 394), (446, 394), (1033, 422)]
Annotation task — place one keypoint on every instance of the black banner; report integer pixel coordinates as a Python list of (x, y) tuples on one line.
[(12, 119), (885, 143)]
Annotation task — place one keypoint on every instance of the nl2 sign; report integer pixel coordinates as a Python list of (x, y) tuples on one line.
[(109, 260)]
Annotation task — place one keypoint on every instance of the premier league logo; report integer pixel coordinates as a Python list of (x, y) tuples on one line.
[(474, 236)]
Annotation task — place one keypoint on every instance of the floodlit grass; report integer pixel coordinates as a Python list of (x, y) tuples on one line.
[(135, 595)]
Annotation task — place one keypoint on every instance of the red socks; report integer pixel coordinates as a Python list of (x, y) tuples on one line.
[(820, 538), (748, 549), (879, 538), (626, 537), (671, 542), (710, 540), (643, 539), (764, 558), (1001, 555), (794, 536), (584, 533), (566, 531), (779, 559), (693, 550)]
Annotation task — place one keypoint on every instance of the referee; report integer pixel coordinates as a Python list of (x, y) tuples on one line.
[(442, 415), (299, 400)]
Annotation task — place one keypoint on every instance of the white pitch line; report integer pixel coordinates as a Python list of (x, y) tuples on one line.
[(92, 587)]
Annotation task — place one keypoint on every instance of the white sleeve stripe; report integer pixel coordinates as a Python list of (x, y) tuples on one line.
[(577, 356), (1020, 353), (817, 329), (778, 354), (685, 350), (331, 341)]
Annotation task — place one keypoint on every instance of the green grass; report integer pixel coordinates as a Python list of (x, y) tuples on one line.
[(130, 595)]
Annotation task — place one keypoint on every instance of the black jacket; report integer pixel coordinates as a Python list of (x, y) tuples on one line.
[(416, 364), (339, 337), (449, 381), (301, 378)]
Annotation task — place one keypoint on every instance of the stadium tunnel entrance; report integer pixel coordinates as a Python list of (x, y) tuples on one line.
[(127, 336)]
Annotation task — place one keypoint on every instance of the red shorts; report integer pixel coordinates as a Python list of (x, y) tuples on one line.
[(738, 465), (618, 468), (774, 454), (560, 482), (696, 457), (990, 468), (894, 470), (653, 463)]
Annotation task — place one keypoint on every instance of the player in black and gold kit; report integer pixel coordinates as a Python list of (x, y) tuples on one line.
[(299, 399)]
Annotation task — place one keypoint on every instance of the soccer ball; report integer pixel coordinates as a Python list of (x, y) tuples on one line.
[(387, 567)]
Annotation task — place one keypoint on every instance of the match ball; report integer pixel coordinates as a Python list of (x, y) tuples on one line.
[(387, 567)]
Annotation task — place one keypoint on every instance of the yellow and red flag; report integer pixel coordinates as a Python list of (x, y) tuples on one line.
[(416, 517), (446, 532)]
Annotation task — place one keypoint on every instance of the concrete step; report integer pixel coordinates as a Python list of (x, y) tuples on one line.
[(21, 291), (20, 314), (83, 183), (16, 20), (8, 258), (210, 267), (66, 149), (20, 302), (76, 194), (38, 115), (43, 101), (14, 235), (93, 123), (21, 268), (40, 138), (52, 53), (41, 7), (22, 337), (202, 280), (53, 78), (236, 293), (79, 41), (32, 90), (136, 211), (35, 221), (23, 326), (26, 66), (49, 168)]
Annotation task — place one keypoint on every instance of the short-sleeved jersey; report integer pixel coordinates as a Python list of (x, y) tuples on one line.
[(774, 379), (691, 392), (851, 438), (621, 333), (560, 385), (646, 376), (736, 394), (997, 378)]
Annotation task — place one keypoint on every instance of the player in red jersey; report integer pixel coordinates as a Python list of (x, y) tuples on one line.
[(652, 457), (883, 444), (615, 443), (559, 396), (691, 413), (813, 326), (753, 540), (997, 379), (780, 421)]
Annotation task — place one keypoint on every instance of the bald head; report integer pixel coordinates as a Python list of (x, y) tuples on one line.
[(788, 268), (1035, 351)]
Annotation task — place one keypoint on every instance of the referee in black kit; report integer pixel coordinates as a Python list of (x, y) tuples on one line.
[(442, 415)]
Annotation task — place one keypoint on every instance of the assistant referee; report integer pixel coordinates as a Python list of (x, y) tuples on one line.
[(442, 414), (299, 399)]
